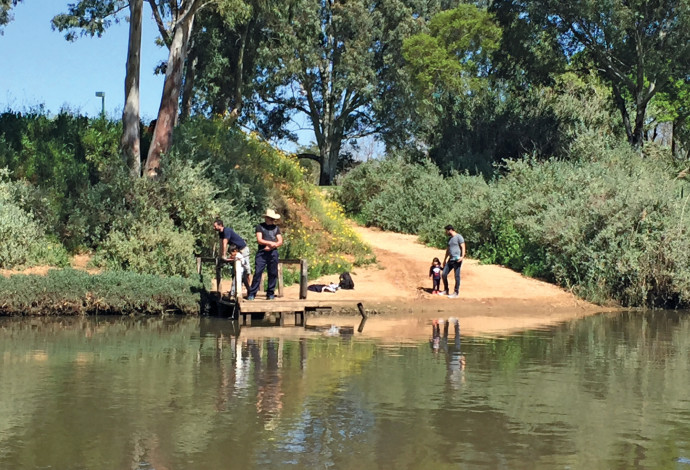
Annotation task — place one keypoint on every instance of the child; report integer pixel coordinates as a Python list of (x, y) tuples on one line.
[(244, 268), (435, 272)]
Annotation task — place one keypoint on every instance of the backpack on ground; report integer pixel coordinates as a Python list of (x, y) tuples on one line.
[(346, 281)]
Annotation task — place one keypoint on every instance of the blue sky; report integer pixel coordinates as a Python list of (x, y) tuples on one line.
[(40, 67)]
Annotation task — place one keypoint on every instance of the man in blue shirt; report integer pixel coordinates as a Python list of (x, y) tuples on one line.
[(455, 253)]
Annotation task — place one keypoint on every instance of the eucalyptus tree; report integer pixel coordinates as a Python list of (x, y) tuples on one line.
[(175, 20), (321, 63), (638, 46), (223, 56), (328, 60)]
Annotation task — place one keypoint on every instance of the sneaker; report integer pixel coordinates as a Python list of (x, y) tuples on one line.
[(250, 297), (270, 297), (443, 293), (453, 296)]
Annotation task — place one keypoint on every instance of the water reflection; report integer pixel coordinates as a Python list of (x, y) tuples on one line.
[(455, 359), (605, 392)]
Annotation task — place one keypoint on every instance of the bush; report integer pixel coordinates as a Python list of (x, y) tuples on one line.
[(418, 193), (84, 194), (70, 292), (63, 153), (149, 248), (24, 243), (611, 225)]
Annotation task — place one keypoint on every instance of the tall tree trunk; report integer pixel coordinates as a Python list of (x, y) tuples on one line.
[(325, 153), (619, 101), (638, 133), (188, 90), (130, 142), (238, 102), (167, 113)]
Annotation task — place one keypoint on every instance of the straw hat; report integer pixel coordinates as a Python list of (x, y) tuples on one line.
[(271, 214)]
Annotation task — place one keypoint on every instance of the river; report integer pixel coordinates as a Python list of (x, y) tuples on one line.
[(607, 391)]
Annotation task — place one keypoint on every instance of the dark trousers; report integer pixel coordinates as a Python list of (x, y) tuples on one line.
[(263, 260), (437, 283), (455, 266)]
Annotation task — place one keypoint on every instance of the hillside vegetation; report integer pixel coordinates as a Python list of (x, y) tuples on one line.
[(64, 189), (610, 225)]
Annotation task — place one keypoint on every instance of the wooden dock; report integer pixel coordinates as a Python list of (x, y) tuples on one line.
[(284, 307), (238, 307)]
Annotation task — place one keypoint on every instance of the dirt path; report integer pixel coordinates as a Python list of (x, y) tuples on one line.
[(492, 299)]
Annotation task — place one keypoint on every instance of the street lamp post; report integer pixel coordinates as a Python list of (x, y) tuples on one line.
[(101, 95)]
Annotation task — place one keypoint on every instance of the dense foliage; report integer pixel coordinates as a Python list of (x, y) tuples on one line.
[(71, 292), (24, 240), (541, 98), (609, 226), (71, 184)]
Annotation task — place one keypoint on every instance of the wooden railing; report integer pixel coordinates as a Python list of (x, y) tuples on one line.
[(220, 262)]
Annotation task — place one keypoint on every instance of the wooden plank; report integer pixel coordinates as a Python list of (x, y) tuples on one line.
[(274, 306), (206, 259)]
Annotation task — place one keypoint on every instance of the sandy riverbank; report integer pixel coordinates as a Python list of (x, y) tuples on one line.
[(493, 299)]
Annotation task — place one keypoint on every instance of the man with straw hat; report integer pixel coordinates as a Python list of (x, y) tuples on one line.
[(269, 238)]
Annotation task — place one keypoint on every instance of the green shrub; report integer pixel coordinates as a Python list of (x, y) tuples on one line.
[(70, 292), (395, 195), (119, 217), (63, 153), (149, 248), (24, 243), (83, 194), (610, 224)]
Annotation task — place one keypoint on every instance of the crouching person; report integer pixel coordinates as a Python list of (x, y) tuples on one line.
[(242, 270)]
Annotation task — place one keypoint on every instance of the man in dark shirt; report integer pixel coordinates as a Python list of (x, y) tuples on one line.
[(269, 239), (229, 237)]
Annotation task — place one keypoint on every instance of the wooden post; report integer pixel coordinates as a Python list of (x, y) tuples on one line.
[(303, 274), (218, 268), (362, 312), (280, 279), (198, 264), (238, 279)]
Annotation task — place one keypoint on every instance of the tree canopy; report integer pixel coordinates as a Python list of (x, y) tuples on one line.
[(639, 47)]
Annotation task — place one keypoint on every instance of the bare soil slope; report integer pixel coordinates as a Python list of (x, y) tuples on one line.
[(493, 299)]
